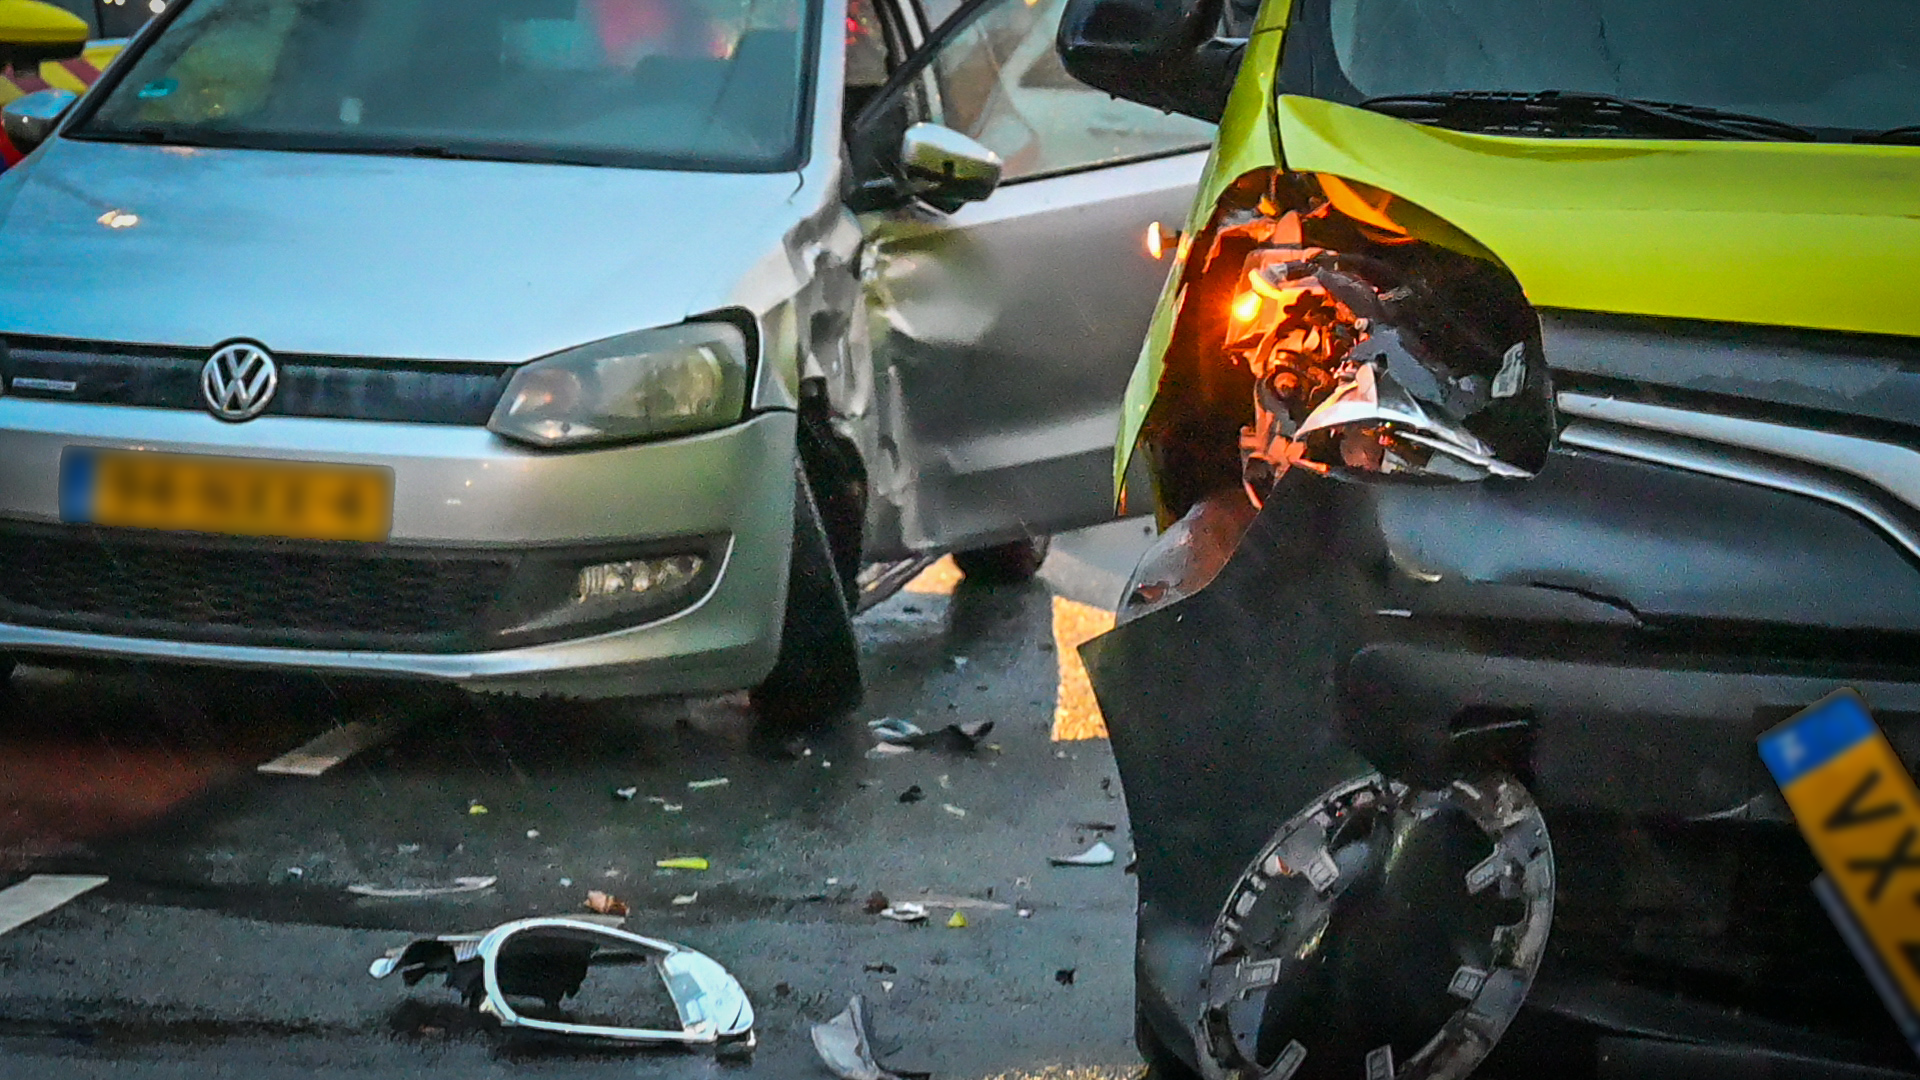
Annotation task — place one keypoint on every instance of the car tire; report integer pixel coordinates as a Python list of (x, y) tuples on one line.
[(1162, 1063), (816, 678), (1004, 564)]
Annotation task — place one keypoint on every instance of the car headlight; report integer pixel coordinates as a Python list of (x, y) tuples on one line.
[(670, 381)]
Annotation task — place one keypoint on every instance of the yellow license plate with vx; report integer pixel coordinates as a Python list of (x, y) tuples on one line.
[(1859, 810), (235, 496)]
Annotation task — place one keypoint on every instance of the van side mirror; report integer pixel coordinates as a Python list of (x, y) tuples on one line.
[(31, 120), (945, 169), (1164, 55)]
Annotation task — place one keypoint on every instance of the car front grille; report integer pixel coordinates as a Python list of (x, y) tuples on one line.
[(246, 592), (103, 373)]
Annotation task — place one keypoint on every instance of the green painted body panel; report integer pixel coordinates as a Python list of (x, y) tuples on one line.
[(1817, 236)]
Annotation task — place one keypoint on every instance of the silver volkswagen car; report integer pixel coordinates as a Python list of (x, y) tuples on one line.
[(575, 347)]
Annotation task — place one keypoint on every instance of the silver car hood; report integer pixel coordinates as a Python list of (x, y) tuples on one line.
[(353, 255)]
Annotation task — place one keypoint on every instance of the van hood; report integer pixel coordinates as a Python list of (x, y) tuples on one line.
[(352, 255), (1813, 235)]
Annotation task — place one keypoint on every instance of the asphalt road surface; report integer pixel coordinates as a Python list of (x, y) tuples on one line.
[(226, 940)]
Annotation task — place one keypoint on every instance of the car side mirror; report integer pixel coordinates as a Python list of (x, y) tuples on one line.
[(1164, 55), (31, 120), (946, 169)]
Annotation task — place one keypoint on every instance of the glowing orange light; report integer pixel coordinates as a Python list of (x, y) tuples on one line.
[(1246, 307), (1156, 247)]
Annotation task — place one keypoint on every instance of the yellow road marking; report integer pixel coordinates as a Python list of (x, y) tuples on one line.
[(1076, 715)]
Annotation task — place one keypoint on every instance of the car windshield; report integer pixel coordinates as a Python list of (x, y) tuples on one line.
[(697, 84), (1833, 69)]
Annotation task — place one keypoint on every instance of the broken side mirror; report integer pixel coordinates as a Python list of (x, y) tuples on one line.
[(1164, 55), (31, 120), (945, 169), (578, 978)]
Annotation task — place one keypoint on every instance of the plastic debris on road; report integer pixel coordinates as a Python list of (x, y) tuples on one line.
[(686, 862), (476, 808), (1098, 855), (845, 1049), (952, 809), (906, 912), (953, 739), (684, 900), (550, 959), (913, 794), (702, 785), (957, 921), (459, 885), (1064, 976), (625, 794)]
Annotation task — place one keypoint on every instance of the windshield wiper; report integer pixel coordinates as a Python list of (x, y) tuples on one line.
[(1563, 109), (1905, 136)]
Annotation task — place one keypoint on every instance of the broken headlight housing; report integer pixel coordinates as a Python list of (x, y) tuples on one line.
[(670, 381), (1366, 365)]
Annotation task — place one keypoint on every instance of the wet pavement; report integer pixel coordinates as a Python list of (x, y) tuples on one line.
[(227, 940)]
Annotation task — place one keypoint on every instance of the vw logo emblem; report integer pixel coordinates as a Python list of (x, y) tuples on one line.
[(239, 381)]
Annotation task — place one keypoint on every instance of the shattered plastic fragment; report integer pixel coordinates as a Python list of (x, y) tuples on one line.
[(844, 1048), (460, 885), (685, 899), (702, 785), (625, 794), (1064, 976), (476, 808), (957, 921), (1100, 854), (952, 809), (687, 862), (905, 912), (912, 794)]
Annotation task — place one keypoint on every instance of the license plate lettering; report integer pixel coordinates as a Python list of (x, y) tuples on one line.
[(235, 496)]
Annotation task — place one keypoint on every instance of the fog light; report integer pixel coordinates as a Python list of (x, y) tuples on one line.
[(636, 577)]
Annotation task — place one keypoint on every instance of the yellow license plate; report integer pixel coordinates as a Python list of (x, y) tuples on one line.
[(1858, 808), (236, 496)]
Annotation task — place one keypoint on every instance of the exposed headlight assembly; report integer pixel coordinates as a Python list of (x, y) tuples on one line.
[(670, 381), (1362, 369)]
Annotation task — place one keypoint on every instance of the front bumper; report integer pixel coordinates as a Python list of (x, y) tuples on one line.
[(463, 498), (1614, 633)]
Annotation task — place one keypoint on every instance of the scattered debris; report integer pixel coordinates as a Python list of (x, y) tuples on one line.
[(882, 969), (460, 885), (878, 903), (906, 912), (782, 990), (957, 921), (1097, 855), (946, 782), (685, 899), (960, 663), (1064, 976), (954, 738), (408, 849), (296, 871), (625, 794), (1024, 912), (1097, 826), (887, 750), (843, 1046), (685, 862), (333, 747), (886, 985), (912, 794), (601, 903), (952, 809), (551, 958), (702, 785), (476, 808), (1106, 785), (832, 881), (533, 834)]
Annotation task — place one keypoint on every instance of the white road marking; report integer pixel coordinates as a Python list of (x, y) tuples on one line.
[(40, 894), (332, 748)]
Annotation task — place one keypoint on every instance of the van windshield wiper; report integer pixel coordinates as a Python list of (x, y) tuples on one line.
[(1567, 112), (1905, 136)]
